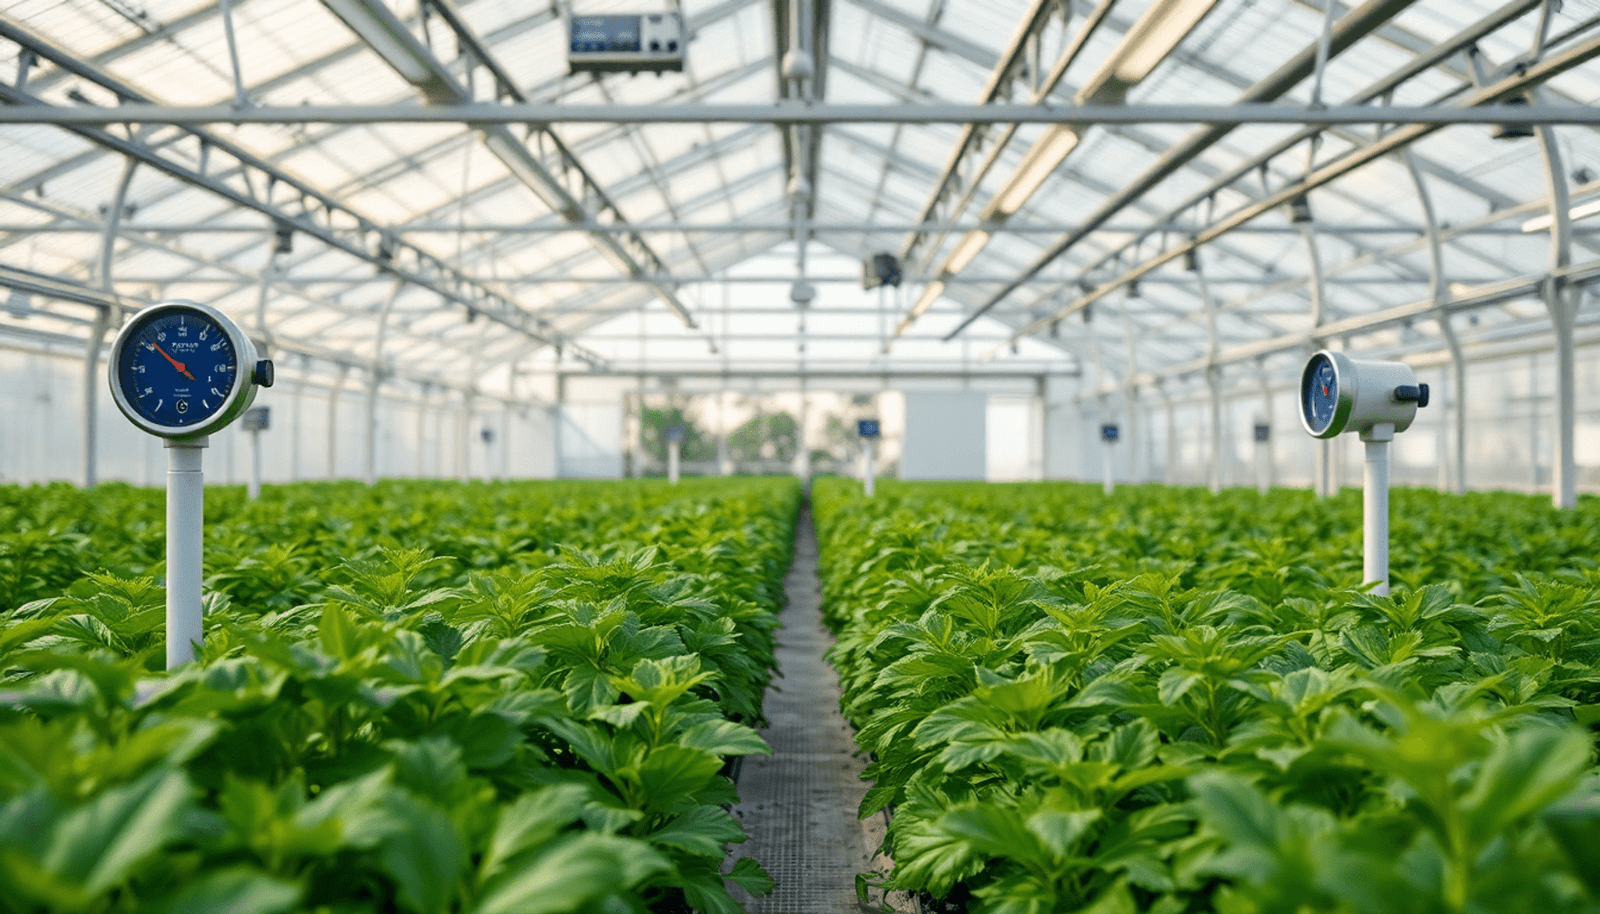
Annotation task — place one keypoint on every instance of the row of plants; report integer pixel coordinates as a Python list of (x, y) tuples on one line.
[(1166, 701), (418, 696)]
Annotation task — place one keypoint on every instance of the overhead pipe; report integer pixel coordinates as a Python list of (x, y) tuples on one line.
[(1346, 32), (1389, 143), (1456, 408), (1561, 301), (102, 325)]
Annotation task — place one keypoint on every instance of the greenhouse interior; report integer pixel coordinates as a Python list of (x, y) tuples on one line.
[(995, 456)]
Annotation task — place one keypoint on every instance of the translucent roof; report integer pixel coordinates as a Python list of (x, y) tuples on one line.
[(453, 252)]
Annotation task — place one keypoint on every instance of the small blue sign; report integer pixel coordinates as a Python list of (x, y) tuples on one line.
[(676, 434), (867, 428), (1109, 431)]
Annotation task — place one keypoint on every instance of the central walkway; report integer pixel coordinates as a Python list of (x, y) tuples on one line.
[(799, 804)]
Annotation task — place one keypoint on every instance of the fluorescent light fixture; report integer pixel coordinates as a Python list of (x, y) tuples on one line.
[(1148, 42), (929, 296), (386, 35), (965, 251), (1043, 158), (1581, 211)]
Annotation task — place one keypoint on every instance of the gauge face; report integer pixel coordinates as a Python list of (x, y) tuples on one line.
[(176, 367), (1319, 394)]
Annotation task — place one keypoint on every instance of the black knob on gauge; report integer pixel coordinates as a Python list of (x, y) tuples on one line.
[(1406, 393), (264, 374)]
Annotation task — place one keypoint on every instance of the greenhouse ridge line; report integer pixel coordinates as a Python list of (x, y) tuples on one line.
[(796, 113)]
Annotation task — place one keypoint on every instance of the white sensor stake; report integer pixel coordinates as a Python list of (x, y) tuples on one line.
[(869, 432), (181, 371), (675, 436), (1109, 434), (1339, 394)]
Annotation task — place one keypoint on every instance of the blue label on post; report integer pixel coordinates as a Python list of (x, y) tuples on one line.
[(675, 434), (1108, 432), (868, 428)]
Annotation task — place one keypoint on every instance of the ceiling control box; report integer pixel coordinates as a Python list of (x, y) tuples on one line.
[(646, 42)]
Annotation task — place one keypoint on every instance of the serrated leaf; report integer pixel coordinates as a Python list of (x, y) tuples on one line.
[(723, 737), (702, 831)]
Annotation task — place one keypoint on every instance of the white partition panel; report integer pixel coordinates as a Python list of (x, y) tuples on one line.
[(591, 440), (945, 435)]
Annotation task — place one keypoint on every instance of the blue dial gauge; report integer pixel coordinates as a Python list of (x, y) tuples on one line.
[(1323, 406), (176, 370)]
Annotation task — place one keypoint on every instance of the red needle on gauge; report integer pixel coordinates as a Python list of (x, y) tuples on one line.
[(175, 363)]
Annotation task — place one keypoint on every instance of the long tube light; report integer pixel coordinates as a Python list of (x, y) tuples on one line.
[(929, 296), (1046, 154), (1581, 211), (1151, 38), (1146, 43), (968, 248), (398, 47), (1142, 48)]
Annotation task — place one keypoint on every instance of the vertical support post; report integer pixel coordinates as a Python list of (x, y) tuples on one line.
[(1269, 463), (1213, 376), (1562, 303), (672, 462), (1043, 393), (102, 323), (91, 403), (1563, 484), (186, 499), (333, 420), (724, 455), (803, 446), (1375, 509), (294, 427), (253, 490), (440, 418), (463, 436), (463, 446), (1170, 459), (422, 428), (1214, 385), (558, 411), (370, 432), (1130, 421), (1458, 371), (1316, 288), (505, 435), (1534, 480)]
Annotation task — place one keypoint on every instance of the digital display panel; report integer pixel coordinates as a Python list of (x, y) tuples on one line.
[(605, 33)]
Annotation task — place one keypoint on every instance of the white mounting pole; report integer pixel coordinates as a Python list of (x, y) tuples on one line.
[(255, 464), (1215, 472), (869, 472), (1264, 464), (672, 462), (186, 499), (1375, 506), (1107, 466)]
